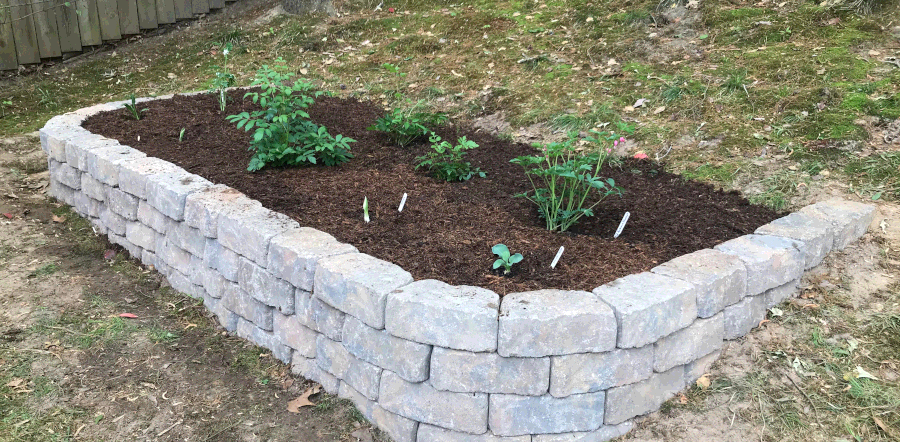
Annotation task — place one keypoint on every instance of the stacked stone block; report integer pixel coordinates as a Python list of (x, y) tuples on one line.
[(423, 360)]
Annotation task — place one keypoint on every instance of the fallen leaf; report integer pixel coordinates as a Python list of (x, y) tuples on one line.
[(703, 382), (776, 312), (682, 399), (862, 373), (8, 215), (640, 156), (659, 110), (304, 71), (58, 219), (874, 53), (301, 401), (15, 383), (128, 315), (109, 254), (639, 103)]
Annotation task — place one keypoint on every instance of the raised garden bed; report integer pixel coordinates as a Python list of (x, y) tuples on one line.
[(423, 359)]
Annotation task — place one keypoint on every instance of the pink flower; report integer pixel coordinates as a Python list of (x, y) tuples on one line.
[(616, 143), (391, 10), (640, 156), (622, 139), (608, 150)]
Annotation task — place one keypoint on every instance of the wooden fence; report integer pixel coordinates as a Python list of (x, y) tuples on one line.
[(34, 29)]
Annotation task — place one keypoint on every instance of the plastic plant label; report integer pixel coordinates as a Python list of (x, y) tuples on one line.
[(402, 203), (558, 255), (622, 224)]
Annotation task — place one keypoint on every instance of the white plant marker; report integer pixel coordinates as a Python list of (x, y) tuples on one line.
[(558, 255), (622, 224), (366, 209), (402, 203)]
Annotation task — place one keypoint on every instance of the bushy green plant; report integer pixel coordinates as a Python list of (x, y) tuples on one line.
[(405, 126), (222, 81), (284, 135), (445, 159), (504, 258), (563, 180)]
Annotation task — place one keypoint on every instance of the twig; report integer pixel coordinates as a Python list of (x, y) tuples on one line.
[(170, 427), (230, 426), (67, 330), (815, 408)]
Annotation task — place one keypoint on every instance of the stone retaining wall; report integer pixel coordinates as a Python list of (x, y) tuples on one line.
[(423, 360)]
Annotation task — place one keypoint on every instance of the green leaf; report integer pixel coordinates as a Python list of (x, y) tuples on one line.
[(501, 250), (498, 263), (515, 258)]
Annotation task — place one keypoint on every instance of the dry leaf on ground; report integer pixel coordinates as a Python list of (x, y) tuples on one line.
[(295, 405)]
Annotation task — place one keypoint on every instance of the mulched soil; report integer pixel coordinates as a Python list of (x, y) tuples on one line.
[(446, 230)]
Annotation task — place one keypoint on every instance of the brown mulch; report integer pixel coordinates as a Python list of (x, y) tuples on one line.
[(446, 230)]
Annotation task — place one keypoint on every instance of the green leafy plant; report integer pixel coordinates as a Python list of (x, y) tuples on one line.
[(394, 69), (565, 181), (284, 135), (504, 258), (366, 209), (3, 106), (223, 81), (132, 107), (406, 125), (445, 159), (181, 135)]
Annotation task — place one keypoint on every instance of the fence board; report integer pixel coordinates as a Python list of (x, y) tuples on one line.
[(7, 45), (183, 9), (67, 27), (147, 14), (216, 4), (200, 6), (109, 19), (88, 22), (45, 28), (165, 11), (23, 32), (128, 17)]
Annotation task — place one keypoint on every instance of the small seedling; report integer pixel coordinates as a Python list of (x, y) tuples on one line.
[(366, 209), (135, 112), (181, 135), (3, 106), (505, 259)]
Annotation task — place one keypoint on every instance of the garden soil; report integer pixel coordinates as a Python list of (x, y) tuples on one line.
[(446, 230)]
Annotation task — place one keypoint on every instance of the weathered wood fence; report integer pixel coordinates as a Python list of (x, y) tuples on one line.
[(34, 29)]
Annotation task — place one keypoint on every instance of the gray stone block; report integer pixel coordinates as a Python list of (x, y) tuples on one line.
[(777, 295), (293, 254), (744, 316), (362, 403), (605, 433), (54, 138), (700, 338), (433, 312), (64, 174), (227, 318), (172, 255), (213, 282), (399, 428), (332, 357), (260, 284), (554, 322), (294, 334), (93, 188), (467, 372), (513, 415), (814, 235), (181, 283), (305, 367), (203, 208), (132, 249), (430, 433), (62, 192), (112, 221), (720, 278), (186, 237), (326, 319), (141, 235), (628, 401), (148, 258), (167, 192), (849, 220), (592, 372), (265, 339), (358, 284), (244, 305), (227, 262), (770, 260), (122, 203), (103, 163), (464, 412), (697, 368), (134, 175), (87, 206), (152, 218), (78, 146), (407, 359), (249, 232), (649, 306), (198, 269)]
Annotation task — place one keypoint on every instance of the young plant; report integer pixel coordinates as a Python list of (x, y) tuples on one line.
[(504, 259), (394, 69), (3, 106), (407, 126), (563, 179), (445, 159), (132, 107), (366, 209), (223, 81), (181, 135), (284, 135)]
